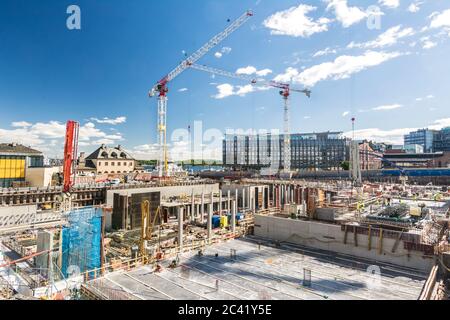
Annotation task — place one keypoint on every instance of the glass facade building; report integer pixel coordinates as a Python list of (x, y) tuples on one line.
[(310, 151), (424, 137), (442, 141)]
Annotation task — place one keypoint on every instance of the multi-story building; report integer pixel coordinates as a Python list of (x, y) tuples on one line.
[(106, 160), (309, 151), (15, 160), (369, 158), (423, 137), (442, 140)]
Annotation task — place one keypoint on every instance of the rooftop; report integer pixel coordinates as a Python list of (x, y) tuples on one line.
[(14, 148), (105, 152)]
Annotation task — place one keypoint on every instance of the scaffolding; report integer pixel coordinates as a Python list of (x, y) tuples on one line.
[(81, 241)]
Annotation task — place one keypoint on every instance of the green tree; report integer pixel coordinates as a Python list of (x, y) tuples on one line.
[(345, 165)]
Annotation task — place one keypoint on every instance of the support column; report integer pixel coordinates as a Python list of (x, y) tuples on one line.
[(243, 199), (209, 223), (233, 217), (229, 201), (212, 201), (220, 202), (193, 206), (237, 198), (180, 227), (202, 208)]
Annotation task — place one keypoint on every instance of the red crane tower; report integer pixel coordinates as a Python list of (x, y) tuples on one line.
[(70, 154)]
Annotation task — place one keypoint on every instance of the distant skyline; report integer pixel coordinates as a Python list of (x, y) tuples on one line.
[(383, 62)]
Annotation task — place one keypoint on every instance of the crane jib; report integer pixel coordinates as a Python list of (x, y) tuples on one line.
[(204, 49)]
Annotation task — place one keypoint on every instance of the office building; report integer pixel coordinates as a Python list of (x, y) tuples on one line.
[(309, 151)]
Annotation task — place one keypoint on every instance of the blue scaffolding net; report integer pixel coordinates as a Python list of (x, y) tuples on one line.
[(81, 241)]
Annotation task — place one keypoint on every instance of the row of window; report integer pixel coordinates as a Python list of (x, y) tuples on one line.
[(113, 164)]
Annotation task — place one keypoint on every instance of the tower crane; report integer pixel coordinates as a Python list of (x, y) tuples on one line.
[(285, 92), (161, 87)]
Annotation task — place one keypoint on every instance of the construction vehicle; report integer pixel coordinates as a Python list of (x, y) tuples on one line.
[(161, 87), (285, 92)]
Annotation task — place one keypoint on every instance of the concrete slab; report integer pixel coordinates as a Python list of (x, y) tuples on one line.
[(263, 270)]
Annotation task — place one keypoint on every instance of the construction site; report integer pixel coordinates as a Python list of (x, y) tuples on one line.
[(222, 237)]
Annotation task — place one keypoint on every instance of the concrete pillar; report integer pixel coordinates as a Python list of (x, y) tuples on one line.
[(212, 201), (229, 201), (193, 206), (233, 217), (272, 193), (202, 208), (237, 198), (292, 195), (243, 199), (220, 202), (304, 206), (180, 227), (209, 223)]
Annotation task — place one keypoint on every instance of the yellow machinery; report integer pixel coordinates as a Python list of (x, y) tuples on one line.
[(147, 227), (223, 222)]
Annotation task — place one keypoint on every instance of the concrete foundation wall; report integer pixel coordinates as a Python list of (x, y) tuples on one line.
[(330, 237)]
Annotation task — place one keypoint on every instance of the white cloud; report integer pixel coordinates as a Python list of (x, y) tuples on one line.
[(247, 70), (388, 107), (226, 90), (428, 44), (386, 39), (21, 124), (394, 136), (346, 15), (307, 117), (324, 52), (341, 68), (226, 50), (295, 22), (264, 72), (252, 70), (439, 20), (430, 96), (414, 7), (440, 124), (116, 121), (183, 90), (392, 4), (48, 137), (288, 75), (346, 113), (223, 51)]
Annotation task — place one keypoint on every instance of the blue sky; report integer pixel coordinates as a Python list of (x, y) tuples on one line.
[(392, 79)]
